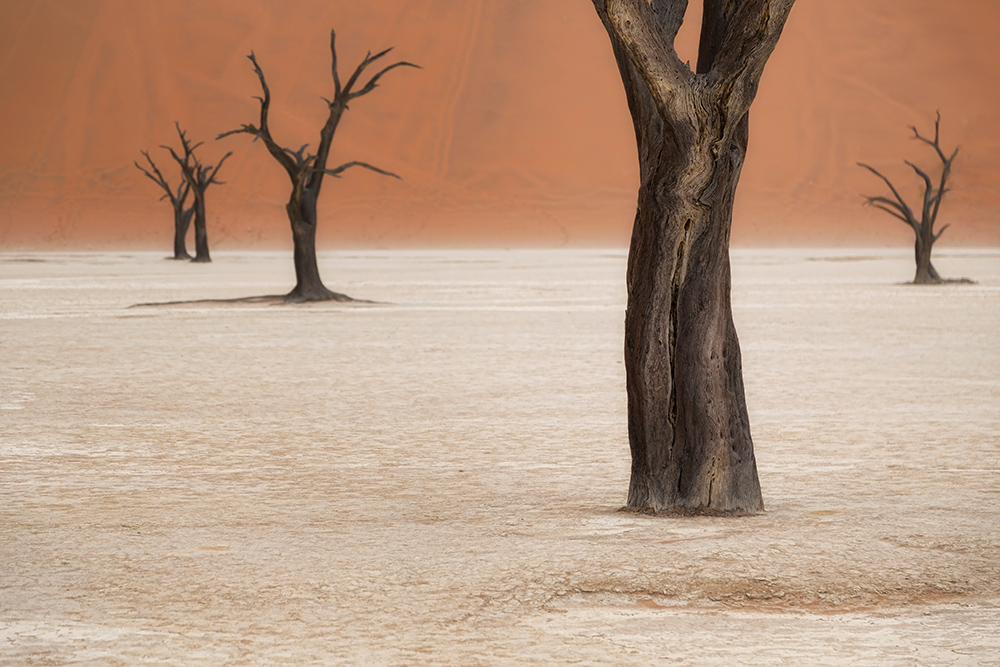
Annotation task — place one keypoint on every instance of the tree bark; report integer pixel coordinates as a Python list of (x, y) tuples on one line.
[(201, 253), (182, 222), (309, 286), (689, 432), (926, 273)]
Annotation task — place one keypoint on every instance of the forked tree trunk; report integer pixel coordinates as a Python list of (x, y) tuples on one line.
[(182, 222), (689, 432)]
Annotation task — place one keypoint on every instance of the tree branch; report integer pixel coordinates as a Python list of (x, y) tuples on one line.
[(373, 82), (891, 212), (333, 58), (263, 132), (902, 203), (936, 145), (158, 178), (344, 167), (368, 60), (208, 174), (667, 78), (750, 39), (941, 231), (928, 191)]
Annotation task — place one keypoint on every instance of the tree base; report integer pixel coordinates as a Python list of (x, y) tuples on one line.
[(682, 512), (943, 281), (320, 293)]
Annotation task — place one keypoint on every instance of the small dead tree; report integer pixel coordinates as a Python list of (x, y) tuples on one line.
[(306, 170), (177, 197), (688, 427), (198, 177), (923, 228)]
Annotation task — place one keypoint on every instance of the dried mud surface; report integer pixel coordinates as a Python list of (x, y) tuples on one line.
[(435, 478)]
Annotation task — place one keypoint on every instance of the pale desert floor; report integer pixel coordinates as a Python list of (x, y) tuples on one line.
[(436, 478)]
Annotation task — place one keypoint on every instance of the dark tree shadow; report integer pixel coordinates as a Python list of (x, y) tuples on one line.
[(271, 299)]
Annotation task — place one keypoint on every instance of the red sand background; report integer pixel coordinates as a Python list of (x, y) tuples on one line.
[(515, 132)]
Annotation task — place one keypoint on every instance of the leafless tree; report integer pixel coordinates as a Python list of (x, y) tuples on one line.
[(689, 432), (306, 170), (177, 197), (923, 227), (198, 177)]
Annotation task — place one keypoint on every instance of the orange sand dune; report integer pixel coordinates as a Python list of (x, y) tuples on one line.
[(514, 132)]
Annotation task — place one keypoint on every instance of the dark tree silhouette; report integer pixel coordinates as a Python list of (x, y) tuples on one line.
[(923, 228), (182, 215), (688, 428), (198, 177), (306, 170)]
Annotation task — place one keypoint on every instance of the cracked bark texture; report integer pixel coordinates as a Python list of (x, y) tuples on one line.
[(689, 432)]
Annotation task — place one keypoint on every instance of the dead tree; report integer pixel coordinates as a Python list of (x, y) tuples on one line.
[(306, 170), (178, 197), (923, 228), (198, 177), (688, 428)]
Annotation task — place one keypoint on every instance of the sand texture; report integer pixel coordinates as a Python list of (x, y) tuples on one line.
[(516, 130), (435, 478)]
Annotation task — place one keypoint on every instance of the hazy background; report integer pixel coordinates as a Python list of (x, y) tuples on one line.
[(515, 132)]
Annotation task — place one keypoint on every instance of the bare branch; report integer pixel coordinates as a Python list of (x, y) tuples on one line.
[(373, 82), (344, 167), (368, 60), (902, 203), (245, 129), (891, 208), (891, 212), (263, 132), (928, 190), (936, 145), (299, 155), (210, 173), (333, 57), (945, 173), (158, 178)]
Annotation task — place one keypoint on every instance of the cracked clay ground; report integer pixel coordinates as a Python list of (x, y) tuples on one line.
[(435, 478)]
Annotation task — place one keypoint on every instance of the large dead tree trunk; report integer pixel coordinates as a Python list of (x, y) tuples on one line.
[(689, 432), (306, 170), (923, 227), (182, 214), (198, 177)]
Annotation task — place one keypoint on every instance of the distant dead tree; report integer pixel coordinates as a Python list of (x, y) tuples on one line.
[(923, 228), (177, 197), (198, 177), (306, 170), (688, 428)]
